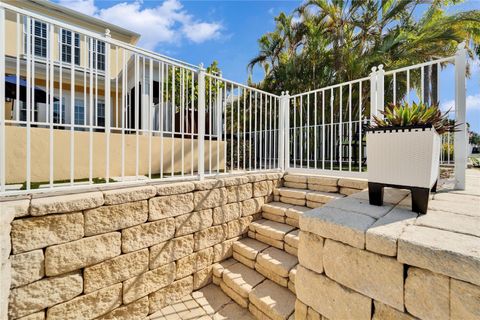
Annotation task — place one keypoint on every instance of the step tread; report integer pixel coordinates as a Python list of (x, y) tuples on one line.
[(277, 261), (292, 193), (277, 208), (292, 238), (249, 248), (241, 279), (275, 301), (323, 197), (272, 229), (219, 267), (296, 211)]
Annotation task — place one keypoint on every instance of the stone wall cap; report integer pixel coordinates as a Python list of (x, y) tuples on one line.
[(66, 203), (119, 196)]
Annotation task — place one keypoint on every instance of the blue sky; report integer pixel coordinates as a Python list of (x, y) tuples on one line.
[(227, 31)]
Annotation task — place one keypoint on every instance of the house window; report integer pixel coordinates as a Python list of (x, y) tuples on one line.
[(58, 112), (101, 114), (66, 46), (39, 33), (79, 112), (98, 54)]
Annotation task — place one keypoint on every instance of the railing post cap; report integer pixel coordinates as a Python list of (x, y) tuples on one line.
[(107, 33), (380, 67), (374, 69), (461, 45), (283, 92), (287, 93)]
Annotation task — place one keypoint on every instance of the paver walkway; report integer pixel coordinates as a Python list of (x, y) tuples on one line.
[(208, 303)]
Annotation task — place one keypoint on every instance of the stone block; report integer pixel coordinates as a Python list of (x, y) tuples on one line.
[(390, 195), (45, 293), (210, 198), (276, 302), (34, 316), (290, 250), (457, 204), (277, 261), (241, 301), (353, 183), (223, 250), (322, 188), (271, 229), (257, 314), (111, 218), (88, 306), (348, 191), (292, 222), (235, 181), (300, 310), (310, 251), (293, 201), (453, 222), (427, 294), (219, 267), (269, 274), (262, 188), (209, 237), (241, 279), (314, 205), (147, 234), (202, 278), (115, 270), (249, 248), (193, 222), (337, 224), (40, 232), (276, 208), (295, 178), (27, 268), (382, 236), (464, 300), (66, 203), (238, 227), (355, 205), (170, 250), (148, 282), (252, 206), (82, 253), (170, 294), (293, 238), (373, 275), (18, 208), (322, 197), (323, 180), (194, 262), (382, 312), (170, 206), (227, 213), (329, 298), (135, 310), (296, 185), (239, 193), (118, 196), (245, 261), (448, 253), (208, 184), (292, 193), (273, 242), (273, 217), (169, 189)]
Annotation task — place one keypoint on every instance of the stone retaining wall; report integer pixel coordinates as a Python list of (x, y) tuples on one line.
[(123, 253), (363, 262)]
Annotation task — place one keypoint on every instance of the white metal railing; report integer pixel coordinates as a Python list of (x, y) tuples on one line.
[(88, 110)]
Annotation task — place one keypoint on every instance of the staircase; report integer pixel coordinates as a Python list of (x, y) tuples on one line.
[(261, 274)]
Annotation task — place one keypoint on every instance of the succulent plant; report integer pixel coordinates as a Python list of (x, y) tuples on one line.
[(421, 114)]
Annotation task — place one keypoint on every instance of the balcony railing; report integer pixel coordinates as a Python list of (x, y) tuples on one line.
[(119, 114)]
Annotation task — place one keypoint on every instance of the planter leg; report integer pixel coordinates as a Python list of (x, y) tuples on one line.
[(420, 200), (375, 193), (434, 188)]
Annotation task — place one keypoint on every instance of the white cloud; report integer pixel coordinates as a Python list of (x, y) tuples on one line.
[(168, 22), (473, 103)]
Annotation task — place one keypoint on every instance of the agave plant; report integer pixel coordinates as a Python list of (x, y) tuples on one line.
[(421, 114)]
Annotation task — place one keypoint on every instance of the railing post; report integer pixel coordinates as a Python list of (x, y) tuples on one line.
[(281, 133), (380, 89), (373, 93), (461, 138), (201, 122), (108, 106), (2, 100), (286, 127)]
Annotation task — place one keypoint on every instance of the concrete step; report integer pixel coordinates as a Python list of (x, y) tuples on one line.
[(276, 264), (269, 232), (271, 301), (283, 212), (246, 251), (304, 198), (238, 281)]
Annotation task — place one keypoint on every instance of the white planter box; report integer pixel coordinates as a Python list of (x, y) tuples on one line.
[(410, 158)]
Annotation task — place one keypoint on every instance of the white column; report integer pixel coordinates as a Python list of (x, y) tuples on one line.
[(286, 124), (2, 99), (380, 89), (107, 106), (281, 133), (201, 122), (461, 138), (373, 93)]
